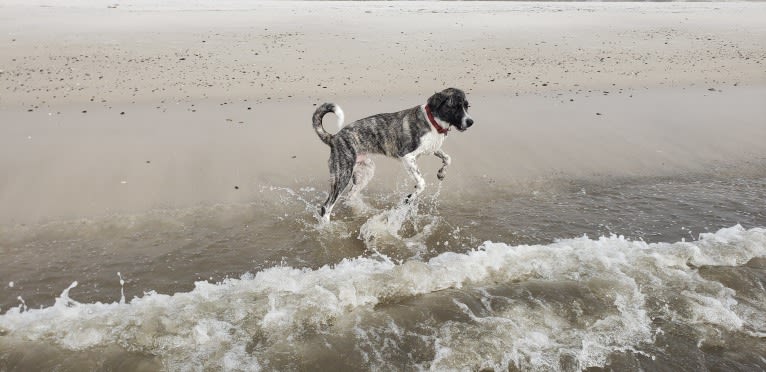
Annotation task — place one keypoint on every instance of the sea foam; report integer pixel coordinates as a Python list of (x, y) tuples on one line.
[(247, 323)]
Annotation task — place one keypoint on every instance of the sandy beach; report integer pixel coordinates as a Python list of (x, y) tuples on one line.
[(171, 143), (129, 108)]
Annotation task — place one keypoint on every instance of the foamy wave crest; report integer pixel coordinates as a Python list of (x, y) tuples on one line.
[(562, 306)]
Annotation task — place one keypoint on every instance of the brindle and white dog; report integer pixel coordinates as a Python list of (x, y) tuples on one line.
[(404, 135)]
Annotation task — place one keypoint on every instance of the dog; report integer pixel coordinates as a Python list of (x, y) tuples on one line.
[(402, 135)]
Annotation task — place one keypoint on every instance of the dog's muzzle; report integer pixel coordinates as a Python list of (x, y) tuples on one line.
[(465, 125)]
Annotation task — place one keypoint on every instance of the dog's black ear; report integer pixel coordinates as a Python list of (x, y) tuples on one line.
[(437, 100)]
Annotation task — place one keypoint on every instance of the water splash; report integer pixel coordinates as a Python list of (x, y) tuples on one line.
[(382, 224), (538, 307), (122, 288)]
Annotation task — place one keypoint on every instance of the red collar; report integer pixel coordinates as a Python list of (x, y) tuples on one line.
[(436, 125)]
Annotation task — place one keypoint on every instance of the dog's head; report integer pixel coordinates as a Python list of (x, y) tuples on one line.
[(451, 106)]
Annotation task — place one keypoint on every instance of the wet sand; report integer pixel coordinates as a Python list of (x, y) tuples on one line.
[(73, 165)]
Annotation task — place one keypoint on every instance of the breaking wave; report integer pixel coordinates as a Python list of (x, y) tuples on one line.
[(562, 306)]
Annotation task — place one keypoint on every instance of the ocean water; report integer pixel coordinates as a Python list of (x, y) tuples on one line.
[(622, 274)]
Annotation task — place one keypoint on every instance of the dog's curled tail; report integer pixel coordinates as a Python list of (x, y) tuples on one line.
[(317, 120)]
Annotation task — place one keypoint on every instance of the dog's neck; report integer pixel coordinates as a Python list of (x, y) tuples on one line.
[(441, 129)]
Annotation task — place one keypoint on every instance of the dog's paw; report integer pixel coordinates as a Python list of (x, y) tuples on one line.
[(408, 199), (324, 216)]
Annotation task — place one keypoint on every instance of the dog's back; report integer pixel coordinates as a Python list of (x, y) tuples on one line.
[(392, 134)]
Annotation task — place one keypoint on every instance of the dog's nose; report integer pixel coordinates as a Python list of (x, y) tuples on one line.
[(468, 123)]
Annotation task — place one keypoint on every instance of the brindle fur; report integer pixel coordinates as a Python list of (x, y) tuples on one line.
[(397, 135)]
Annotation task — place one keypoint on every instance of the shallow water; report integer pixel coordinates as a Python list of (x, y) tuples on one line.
[(656, 283)]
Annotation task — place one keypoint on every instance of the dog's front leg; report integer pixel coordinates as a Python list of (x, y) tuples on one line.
[(412, 169), (446, 161)]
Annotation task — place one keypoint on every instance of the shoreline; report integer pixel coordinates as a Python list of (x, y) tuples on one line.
[(76, 164), (160, 179)]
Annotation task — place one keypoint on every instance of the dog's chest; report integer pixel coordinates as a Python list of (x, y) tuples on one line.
[(430, 143)]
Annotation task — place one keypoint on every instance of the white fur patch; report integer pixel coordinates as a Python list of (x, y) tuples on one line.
[(431, 141), (339, 113)]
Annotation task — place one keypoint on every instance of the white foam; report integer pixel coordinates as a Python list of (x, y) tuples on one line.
[(239, 323)]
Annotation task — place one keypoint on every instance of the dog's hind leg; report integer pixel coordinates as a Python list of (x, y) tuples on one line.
[(341, 169), (412, 168), (364, 170)]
